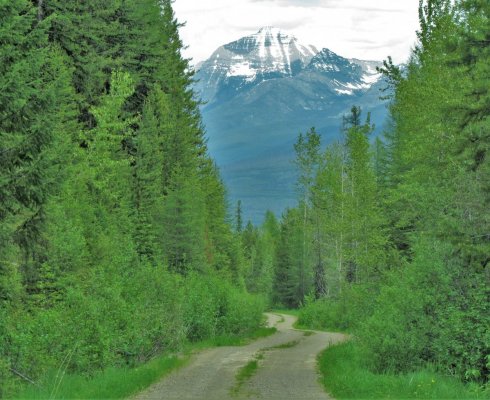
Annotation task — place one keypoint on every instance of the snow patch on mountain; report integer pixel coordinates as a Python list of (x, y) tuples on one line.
[(370, 80), (271, 54), (344, 91), (242, 69), (270, 50)]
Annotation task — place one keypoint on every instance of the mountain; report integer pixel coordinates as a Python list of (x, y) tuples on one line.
[(241, 65), (260, 92)]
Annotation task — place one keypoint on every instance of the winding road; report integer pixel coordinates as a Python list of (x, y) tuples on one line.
[(286, 368)]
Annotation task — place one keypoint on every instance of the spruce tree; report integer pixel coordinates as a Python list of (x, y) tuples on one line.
[(238, 216)]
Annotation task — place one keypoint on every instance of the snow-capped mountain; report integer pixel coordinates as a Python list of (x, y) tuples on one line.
[(268, 54), (260, 92), (274, 54)]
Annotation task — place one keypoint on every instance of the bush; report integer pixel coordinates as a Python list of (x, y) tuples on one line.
[(343, 313), (113, 319), (215, 307), (346, 375)]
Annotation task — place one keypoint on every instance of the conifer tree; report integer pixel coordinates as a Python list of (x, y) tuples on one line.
[(307, 160), (293, 279), (87, 32), (365, 235), (329, 207), (238, 216), (35, 113), (33, 102)]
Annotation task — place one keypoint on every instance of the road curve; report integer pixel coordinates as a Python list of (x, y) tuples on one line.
[(287, 368)]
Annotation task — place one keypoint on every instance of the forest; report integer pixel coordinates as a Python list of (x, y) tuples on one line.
[(390, 238), (117, 242)]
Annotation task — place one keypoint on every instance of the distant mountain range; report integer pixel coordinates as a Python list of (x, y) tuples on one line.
[(260, 92)]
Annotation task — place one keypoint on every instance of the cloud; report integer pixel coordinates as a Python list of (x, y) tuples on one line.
[(298, 3), (351, 28), (391, 6)]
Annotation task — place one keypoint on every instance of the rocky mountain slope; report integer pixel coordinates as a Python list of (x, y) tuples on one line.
[(260, 92)]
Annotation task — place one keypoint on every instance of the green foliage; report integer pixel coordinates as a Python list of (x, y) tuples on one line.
[(112, 383), (123, 381), (338, 314), (114, 240), (346, 375), (260, 246), (293, 275), (244, 374), (405, 230), (215, 308)]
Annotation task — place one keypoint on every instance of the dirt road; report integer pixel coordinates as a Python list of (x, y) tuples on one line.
[(286, 369)]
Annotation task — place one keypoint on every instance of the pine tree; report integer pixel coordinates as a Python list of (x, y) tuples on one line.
[(292, 281), (33, 102), (364, 217), (223, 247), (184, 212), (86, 31), (34, 117), (329, 206), (238, 216), (307, 160)]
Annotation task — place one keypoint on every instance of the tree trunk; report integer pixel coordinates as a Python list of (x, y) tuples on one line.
[(40, 10)]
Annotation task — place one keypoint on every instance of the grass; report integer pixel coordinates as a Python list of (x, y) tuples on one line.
[(231, 340), (294, 313), (122, 382), (286, 345), (112, 383), (346, 377), (245, 373), (297, 325), (286, 311)]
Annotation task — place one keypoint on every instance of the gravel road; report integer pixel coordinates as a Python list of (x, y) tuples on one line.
[(286, 368)]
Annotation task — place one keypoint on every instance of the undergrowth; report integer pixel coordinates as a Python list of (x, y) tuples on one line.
[(346, 375), (122, 382)]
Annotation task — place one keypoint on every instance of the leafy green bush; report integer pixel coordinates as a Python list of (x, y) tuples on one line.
[(343, 313), (242, 312), (430, 313), (215, 307), (200, 307), (346, 375), (115, 320)]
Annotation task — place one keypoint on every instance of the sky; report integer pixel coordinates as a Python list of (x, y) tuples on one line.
[(364, 29)]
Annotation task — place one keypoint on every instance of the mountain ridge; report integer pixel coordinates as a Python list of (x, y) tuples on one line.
[(260, 91)]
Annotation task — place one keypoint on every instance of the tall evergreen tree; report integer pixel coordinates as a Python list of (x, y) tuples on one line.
[(361, 210), (238, 216), (33, 102), (329, 206), (307, 160)]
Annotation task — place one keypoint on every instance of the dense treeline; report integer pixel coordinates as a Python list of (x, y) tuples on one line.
[(114, 242), (391, 235)]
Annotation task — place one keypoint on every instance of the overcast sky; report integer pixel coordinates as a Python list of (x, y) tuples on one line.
[(365, 29)]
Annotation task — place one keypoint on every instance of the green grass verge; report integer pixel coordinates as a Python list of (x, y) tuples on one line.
[(345, 376), (298, 324), (112, 383), (245, 373), (286, 311), (122, 382)]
